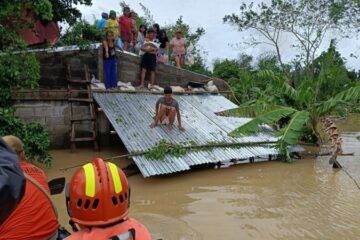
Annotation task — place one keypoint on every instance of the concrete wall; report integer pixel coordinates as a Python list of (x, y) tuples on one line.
[(53, 69), (55, 117), (129, 71), (49, 107)]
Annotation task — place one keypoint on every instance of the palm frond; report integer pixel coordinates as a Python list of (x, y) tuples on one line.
[(290, 134), (294, 129), (254, 125), (351, 94), (289, 91)]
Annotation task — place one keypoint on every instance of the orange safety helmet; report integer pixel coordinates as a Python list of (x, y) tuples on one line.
[(98, 194)]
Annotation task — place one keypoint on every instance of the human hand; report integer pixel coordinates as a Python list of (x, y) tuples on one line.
[(106, 55)]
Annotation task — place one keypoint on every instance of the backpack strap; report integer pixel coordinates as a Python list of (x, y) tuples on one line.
[(42, 189)]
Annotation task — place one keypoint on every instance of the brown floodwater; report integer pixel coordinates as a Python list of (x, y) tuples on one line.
[(307, 199)]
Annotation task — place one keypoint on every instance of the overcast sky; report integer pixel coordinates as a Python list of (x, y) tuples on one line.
[(220, 38)]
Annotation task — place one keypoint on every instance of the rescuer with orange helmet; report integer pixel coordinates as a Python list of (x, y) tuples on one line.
[(97, 200)]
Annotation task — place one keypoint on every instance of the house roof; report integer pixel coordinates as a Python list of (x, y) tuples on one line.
[(132, 114)]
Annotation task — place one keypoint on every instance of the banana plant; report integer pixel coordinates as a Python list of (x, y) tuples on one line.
[(301, 107)]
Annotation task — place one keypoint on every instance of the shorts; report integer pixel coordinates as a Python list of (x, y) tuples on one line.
[(148, 62), (181, 56), (165, 121), (126, 37)]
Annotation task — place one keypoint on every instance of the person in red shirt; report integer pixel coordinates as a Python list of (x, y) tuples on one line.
[(98, 199), (34, 218), (126, 28)]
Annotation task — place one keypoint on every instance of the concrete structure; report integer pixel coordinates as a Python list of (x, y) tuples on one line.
[(49, 106)]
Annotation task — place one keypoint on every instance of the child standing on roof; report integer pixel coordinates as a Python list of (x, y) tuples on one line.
[(110, 61), (112, 24), (126, 28), (148, 59), (178, 44)]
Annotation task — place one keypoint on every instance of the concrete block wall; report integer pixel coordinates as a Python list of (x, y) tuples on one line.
[(53, 69), (52, 115), (55, 117)]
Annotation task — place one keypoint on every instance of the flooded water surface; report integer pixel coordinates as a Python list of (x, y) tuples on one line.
[(307, 199)]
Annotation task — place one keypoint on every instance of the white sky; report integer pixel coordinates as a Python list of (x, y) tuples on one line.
[(220, 38)]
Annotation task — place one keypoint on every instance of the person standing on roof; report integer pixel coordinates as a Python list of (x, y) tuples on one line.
[(112, 24), (166, 109), (156, 28), (178, 44), (148, 51), (126, 27), (102, 22), (35, 216), (140, 37), (98, 200), (164, 47), (110, 61), (12, 181)]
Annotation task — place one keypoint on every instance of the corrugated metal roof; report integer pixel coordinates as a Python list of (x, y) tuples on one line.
[(132, 114)]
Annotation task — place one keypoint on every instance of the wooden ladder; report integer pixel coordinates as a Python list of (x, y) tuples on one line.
[(80, 95)]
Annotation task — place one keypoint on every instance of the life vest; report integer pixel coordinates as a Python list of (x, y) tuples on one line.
[(127, 230)]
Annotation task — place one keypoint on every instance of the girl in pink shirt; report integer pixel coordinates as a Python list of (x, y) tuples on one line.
[(178, 44)]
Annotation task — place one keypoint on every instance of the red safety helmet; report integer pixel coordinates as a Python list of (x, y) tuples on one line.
[(98, 194)]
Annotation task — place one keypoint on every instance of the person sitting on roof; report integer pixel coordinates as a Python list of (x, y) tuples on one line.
[(98, 199), (102, 22), (166, 109), (35, 216)]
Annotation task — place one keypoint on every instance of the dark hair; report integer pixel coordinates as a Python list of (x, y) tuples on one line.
[(161, 33), (105, 15), (107, 33), (126, 8), (167, 90), (157, 26), (143, 25), (150, 30)]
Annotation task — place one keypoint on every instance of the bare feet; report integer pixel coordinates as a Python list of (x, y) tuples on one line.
[(169, 128), (153, 125), (181, 129), (141, 86)]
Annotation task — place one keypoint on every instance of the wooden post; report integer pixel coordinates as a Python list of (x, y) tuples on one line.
[(100, 64)]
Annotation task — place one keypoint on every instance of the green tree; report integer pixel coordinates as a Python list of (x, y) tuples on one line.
[(301, 108), (226, 69), (66, 11), (81, 34), (306, 21)]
